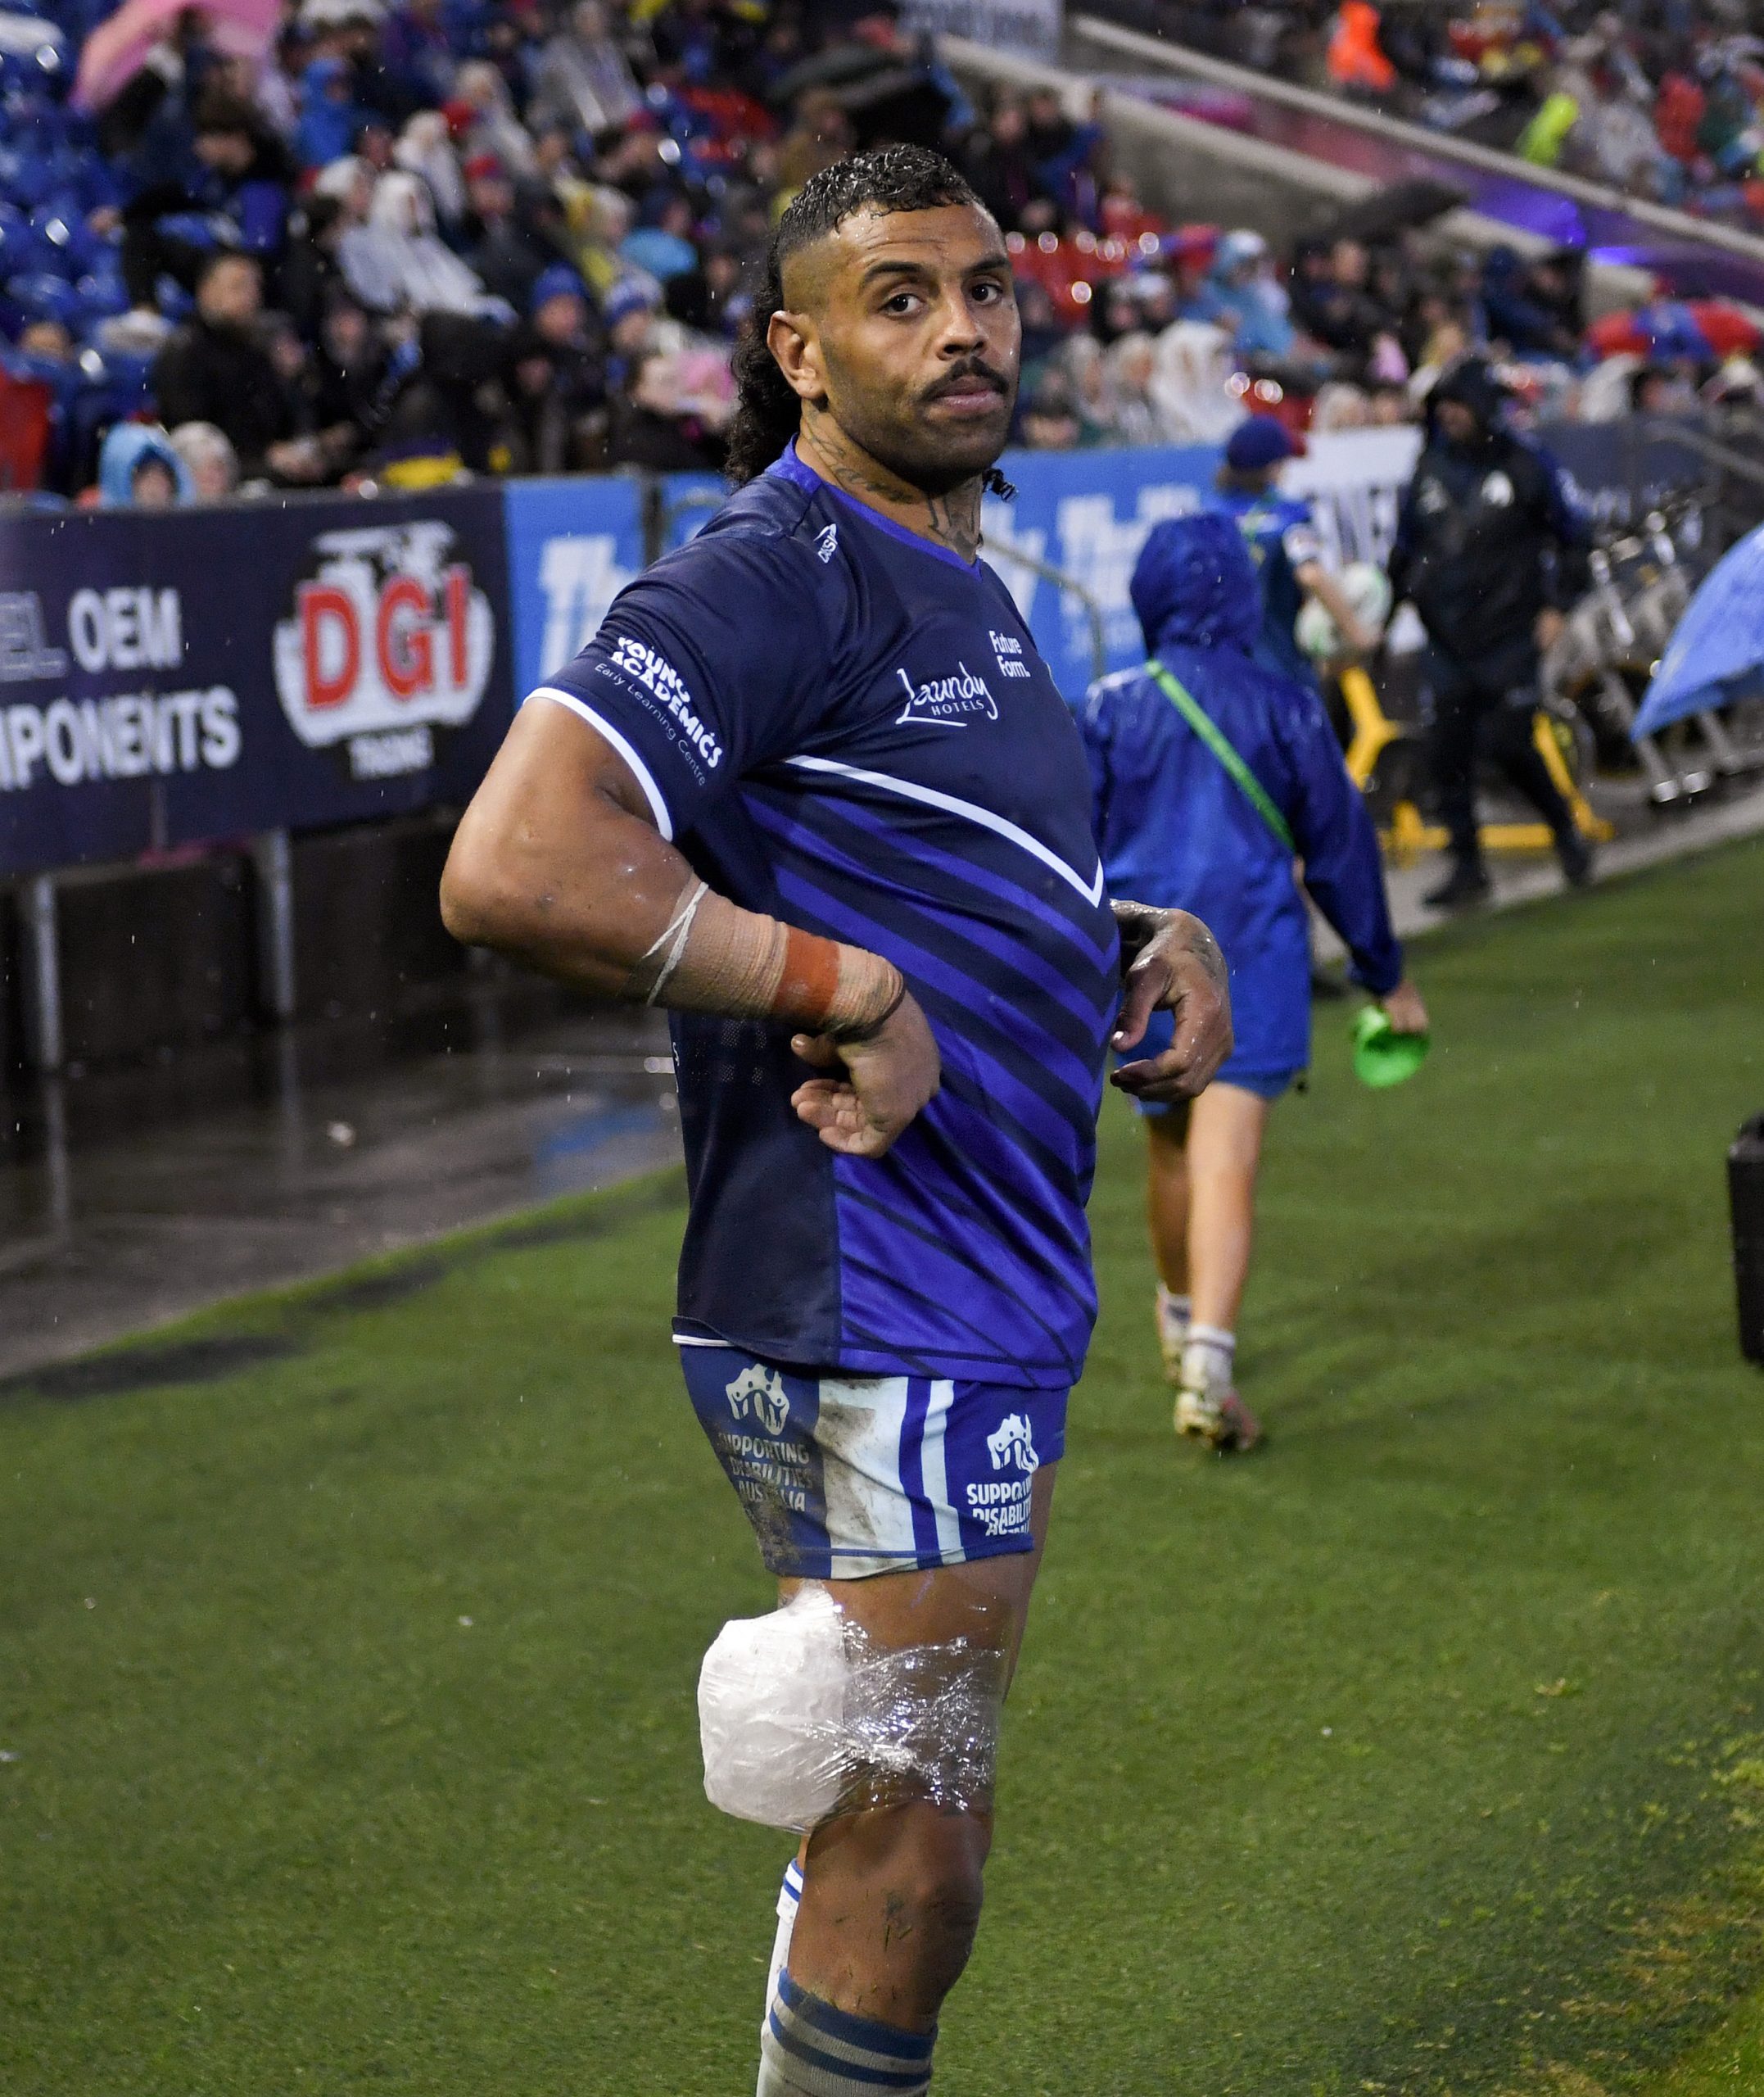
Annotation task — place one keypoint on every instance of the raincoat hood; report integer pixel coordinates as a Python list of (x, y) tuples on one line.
[(1195, 585), (1477, 386), (125, 447)]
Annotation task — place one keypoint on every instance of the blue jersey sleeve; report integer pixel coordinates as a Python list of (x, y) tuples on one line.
[(715, 662)]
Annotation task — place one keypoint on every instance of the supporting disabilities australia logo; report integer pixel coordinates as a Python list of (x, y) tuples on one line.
[(948, 702)]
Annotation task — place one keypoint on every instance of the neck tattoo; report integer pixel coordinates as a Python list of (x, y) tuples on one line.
[(951, 519)]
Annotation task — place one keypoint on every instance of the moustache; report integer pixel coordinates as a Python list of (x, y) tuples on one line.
[(969, 369)]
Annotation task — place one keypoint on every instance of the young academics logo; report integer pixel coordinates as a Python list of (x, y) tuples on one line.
[(946, 702)]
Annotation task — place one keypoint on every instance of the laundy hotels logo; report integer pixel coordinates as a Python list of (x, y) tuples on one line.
[(953, 702), (389, 638)]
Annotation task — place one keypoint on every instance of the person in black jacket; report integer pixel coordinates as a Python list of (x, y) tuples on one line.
[(222, 165), (215, 370), (1491, 550)]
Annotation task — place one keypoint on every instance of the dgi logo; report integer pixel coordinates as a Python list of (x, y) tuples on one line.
[(389, 638)]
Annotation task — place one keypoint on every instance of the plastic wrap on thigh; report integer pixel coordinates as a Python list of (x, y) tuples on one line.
[(802, 1714)]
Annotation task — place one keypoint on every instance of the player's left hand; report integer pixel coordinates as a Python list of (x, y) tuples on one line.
[(1170, 962)]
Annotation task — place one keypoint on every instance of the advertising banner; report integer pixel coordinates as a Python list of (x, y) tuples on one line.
[(573, 544), (688, 503), (170, 678), (1030, 28), (1087, 514)]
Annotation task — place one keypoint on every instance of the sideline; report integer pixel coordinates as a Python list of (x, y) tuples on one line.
[(301, 1189)]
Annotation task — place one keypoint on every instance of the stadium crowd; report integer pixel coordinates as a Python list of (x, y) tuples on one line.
[(1663, 98), (439, 237)]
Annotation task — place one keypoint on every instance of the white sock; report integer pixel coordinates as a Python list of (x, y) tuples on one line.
[(1208, 1358), (790, 1899), (1174, 1313), (812, 2048)]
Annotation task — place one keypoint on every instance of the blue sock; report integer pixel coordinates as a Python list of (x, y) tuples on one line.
[(809, 2049)]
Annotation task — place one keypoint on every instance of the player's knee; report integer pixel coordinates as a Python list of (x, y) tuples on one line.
[(933, 1889)]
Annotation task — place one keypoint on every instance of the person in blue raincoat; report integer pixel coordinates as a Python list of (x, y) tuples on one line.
[(1174, 824), (138, 469)]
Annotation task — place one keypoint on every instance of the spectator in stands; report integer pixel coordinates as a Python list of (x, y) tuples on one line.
[(1191, 383), (1531, 307), (138, 469), (215, 370), (583, 80), (1130, 363), (998, 163), (1332, 301), (1241, 296), (1066, 154), (485, 108), (330, 118), (397, 263), (208, 459), (670, 415), (1050, 419), (355, 380), (425, 149), (503, 253), (225, 167), (416, 61)]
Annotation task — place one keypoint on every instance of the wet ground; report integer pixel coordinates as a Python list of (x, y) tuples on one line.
[(128, 1199)]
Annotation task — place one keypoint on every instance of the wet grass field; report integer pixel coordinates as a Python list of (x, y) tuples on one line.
[(348, 1637)]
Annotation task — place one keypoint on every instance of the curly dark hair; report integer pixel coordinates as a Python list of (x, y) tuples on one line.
[(891, 178)]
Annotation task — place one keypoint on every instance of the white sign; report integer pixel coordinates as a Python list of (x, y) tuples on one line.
[(1029, 28)]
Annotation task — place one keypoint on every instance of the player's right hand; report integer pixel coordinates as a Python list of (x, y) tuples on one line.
[(1404, 1008), (882, 1083)]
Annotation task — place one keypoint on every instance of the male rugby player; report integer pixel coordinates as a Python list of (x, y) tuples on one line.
[(812, 789)]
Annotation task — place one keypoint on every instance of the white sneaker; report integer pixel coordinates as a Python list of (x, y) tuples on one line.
[(1219, 1418)]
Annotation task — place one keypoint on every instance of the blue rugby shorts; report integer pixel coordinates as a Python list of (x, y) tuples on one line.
[(845, 1476)]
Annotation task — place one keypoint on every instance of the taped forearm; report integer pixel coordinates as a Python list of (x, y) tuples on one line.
[(714, 957)]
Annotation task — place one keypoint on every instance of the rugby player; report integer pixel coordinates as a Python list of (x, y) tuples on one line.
[(812, 789)]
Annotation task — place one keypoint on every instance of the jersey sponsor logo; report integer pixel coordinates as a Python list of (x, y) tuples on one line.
[(656, 674), (826, 543), (1012, 1443), (758, 1394), (954, 702), (389, 638), (1497, 491), (1009, 650), (1431, 499)]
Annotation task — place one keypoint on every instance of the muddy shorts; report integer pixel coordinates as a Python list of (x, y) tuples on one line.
[(845, 1476)]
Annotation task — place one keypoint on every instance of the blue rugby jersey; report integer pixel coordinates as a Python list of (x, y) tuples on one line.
[(847, 727)]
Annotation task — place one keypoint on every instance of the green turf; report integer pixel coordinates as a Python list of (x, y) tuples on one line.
[(347, 1653)]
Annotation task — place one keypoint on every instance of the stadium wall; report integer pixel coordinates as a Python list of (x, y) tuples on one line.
[(228, 777)]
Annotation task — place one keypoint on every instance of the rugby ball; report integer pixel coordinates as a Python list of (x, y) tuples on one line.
[(1367, 590)]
